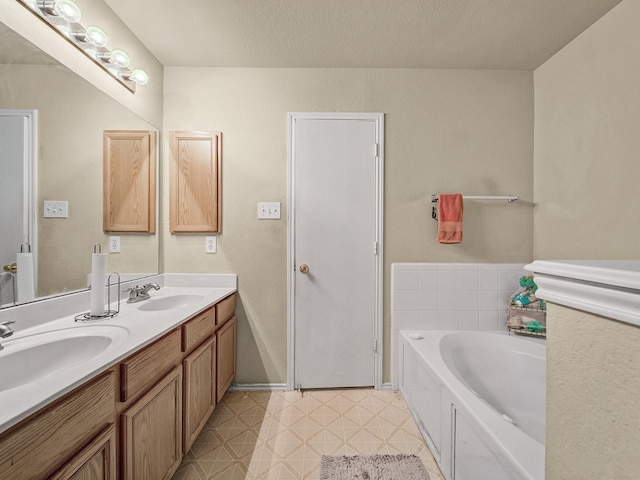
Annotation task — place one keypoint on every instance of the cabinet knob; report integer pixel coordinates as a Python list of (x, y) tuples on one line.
[(304, 268)]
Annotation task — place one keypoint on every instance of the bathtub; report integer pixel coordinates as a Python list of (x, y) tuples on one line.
[(479, 401)]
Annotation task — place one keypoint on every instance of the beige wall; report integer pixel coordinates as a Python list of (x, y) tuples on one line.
[(592, 397), (467, 131), (72, 115), (587, 143), (587, 196), (146, 102)]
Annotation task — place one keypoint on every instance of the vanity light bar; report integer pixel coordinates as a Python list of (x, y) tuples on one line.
[(64, 16)]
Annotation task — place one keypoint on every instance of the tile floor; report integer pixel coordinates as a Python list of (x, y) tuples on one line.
[(281, 435)]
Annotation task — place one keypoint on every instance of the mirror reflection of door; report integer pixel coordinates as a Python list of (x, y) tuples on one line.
[(17, 195)]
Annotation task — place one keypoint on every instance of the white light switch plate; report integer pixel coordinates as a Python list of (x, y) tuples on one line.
[(268, 210), (56, 209)]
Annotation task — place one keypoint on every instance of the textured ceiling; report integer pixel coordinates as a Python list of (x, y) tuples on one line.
[(492, 34)]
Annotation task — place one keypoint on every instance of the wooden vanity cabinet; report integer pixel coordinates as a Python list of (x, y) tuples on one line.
[(57, 435), (136, 420), (226, 340), (152, 431), (97, 461), (199, 389)]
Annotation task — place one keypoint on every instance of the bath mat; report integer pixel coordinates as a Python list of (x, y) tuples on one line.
[(372, 467)]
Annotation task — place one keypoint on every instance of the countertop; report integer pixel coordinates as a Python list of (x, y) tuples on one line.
[(135, 329)]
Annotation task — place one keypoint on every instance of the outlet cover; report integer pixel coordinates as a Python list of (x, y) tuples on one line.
[(268, 210), (211, 245), (114, 244), (56, 209)]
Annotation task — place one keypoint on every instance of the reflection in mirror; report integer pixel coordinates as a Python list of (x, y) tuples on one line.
[(71, 116)]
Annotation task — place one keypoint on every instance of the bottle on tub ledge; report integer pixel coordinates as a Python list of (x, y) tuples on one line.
[(527, 313)]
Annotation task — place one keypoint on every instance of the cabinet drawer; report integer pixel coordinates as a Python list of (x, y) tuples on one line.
[(197, 329), (225, 309), (144, 368), (36, 449)]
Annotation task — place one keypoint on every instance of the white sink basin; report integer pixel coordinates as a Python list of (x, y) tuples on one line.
[(29, 358), (169, 302)]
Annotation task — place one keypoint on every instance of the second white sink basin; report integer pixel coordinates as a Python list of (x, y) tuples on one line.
[(169, 302), (29, 358)]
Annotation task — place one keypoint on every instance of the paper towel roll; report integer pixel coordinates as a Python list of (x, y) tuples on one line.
[(98, 283), (26, 289)]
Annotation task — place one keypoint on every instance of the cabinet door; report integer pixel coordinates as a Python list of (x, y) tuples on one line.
[(129, 181), (97, 461), (152, 431), (226, 338), (199, 390), (194, 182)]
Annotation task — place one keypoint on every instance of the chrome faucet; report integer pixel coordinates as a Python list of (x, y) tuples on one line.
[(138, 294), (5, 330)]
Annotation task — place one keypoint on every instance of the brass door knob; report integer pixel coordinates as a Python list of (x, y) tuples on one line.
[(13, 268), (304, 268)]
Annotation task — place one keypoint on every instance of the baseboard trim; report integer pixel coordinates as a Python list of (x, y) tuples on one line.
[(279, 387), (258, 387)]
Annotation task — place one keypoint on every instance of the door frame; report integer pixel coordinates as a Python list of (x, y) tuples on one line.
[(30, 182), (378, 118)]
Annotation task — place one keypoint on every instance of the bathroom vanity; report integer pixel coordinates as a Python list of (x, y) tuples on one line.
[(134, 410)]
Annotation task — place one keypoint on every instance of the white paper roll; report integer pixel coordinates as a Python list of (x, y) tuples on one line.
[(25, 285), (98, 283)]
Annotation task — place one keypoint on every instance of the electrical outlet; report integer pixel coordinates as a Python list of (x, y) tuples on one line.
[(268, 210), (211, 245), (56, 209), (114, 244)]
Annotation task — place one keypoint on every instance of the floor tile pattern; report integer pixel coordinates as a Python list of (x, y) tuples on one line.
[(281, 435)]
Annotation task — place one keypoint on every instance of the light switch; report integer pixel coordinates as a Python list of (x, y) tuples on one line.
[(56, 209), (268, 210)]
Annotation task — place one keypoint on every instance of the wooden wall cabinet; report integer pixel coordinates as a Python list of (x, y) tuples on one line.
[(129, 181), (195, 182)]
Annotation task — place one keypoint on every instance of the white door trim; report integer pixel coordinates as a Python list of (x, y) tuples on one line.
[(378, 321), (30, 188)]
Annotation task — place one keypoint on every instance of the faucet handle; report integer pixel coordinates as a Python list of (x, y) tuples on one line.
[(7, 322)]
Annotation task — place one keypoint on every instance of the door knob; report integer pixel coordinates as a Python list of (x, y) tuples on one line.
[(304, 268)]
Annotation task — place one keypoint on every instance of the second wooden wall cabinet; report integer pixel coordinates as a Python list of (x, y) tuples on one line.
[(194, 182), (129, 181)]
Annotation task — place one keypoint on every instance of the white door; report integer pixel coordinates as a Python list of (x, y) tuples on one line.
[(17, 216), (335, 249)]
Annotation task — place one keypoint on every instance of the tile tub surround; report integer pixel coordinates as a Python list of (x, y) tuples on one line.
[(142, 328), (449, 296)]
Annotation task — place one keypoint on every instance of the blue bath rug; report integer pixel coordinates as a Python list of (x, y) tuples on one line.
[(372, 467)]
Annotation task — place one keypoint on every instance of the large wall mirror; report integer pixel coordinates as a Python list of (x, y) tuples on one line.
[(71, 117)]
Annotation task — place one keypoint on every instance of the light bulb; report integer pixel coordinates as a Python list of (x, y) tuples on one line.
[(67, 10), (120, 58), (96, 36), (140, 77)]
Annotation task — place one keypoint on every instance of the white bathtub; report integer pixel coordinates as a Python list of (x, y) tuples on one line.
[(479, 400)]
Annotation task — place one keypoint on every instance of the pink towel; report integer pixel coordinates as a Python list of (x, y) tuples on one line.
[(450, 207)]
